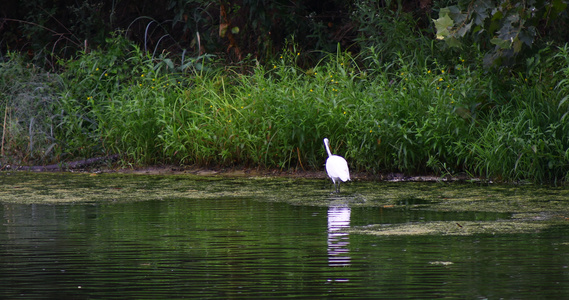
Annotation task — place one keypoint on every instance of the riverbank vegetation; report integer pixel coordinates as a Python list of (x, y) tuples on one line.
[(406, 103)]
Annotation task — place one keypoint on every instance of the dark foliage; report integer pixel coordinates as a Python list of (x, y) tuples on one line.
[(55, 29)]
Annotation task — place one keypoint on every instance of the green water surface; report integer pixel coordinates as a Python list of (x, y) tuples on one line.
[(112, 236)]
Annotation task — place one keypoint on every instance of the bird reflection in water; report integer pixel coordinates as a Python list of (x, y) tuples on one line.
[(338, 238)]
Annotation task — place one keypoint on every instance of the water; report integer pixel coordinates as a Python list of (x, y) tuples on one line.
[(229, 244)]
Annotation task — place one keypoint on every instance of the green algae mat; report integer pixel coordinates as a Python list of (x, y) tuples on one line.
[(504, 208)]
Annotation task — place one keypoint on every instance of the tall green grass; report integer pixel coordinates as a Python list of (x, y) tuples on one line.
[(525, 138), (413, 114)]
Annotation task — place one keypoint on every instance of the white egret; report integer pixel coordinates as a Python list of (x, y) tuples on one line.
[(336, 167)]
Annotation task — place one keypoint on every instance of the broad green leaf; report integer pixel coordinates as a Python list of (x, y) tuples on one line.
[(456, 14), (504, 44), (482, 8), (527, 36), (444, 11), (507, 32), (442, 24)]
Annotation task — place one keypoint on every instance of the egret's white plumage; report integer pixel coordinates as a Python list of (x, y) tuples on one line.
[(336, 167)]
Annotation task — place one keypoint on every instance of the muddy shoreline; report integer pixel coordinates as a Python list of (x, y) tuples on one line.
[(254, 172), (107, 164), (247, 172)]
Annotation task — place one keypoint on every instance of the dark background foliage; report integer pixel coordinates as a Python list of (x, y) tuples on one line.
[(237, 30), (234, 28)]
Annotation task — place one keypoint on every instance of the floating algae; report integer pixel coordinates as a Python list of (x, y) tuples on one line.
[(453, 228), (497, 209)]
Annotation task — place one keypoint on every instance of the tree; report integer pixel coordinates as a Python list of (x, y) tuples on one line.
[(506, 26)]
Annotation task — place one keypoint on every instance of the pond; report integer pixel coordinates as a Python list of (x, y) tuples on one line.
[(110, 236)]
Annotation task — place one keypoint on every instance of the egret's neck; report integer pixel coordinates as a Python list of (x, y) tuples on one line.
[(328, 149)]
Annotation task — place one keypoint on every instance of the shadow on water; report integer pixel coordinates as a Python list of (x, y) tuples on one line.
[(130, 236)]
